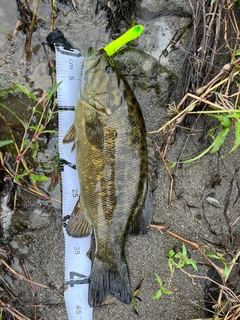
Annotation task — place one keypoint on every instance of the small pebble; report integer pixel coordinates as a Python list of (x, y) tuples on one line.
[(213, 202)]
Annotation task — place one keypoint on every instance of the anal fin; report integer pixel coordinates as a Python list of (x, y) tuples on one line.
[(78, 226)]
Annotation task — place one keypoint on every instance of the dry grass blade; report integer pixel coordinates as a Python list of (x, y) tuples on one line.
[(28, 280), (16, 314), (212, 51), (203, 48), (164, 229), (74, 5), (30, 32)]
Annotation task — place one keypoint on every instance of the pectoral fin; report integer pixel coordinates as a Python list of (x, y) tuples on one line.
[(78, 226), (70, 135)]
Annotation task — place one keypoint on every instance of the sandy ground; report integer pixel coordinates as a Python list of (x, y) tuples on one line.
[(35, 230)]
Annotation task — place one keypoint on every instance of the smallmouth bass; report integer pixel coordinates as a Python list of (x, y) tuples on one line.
[(111, 157)]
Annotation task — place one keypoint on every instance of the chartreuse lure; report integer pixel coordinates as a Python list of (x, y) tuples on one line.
[(130, 35)]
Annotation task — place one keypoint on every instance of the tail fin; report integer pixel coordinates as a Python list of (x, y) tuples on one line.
[(104, 281)]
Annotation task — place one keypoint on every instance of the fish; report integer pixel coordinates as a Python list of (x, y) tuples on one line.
[(109, 134)]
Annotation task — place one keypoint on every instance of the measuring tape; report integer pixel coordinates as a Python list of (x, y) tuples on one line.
[(69, 65)]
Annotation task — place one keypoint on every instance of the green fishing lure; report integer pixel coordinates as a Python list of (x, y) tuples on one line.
[(130, 35)]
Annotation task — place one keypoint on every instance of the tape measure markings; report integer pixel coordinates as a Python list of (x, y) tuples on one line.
[(77, 266)]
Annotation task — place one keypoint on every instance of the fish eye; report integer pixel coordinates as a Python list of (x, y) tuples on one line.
[(109, 69)]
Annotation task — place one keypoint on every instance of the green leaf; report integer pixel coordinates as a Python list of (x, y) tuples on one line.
[(17, 178), (226, 270), (178, 255), (199, 156), (192, 263), (14, 114), (158, 278), (4, 92), (49, 131), (219, 140), (39, 112), (165, 291), (212, 255), (157, 295), (180, 264), (234, 115), (234, 259), (172, 165), (184, 250), (161, 290), (4, 29), (237, 137), (170, 264), (225, 122), (35, 147), (34, 128), (25, 91), (41, 178), (33, 178), (57, 158), (52, 92), (5, 142), (171, 253), (134, 304)]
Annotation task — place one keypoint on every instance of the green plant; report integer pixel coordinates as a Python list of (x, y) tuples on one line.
[(227, 119), (136, 297), (161, 290), (5, 143), (8, 34), (222, 259), (27, 146), (224, 125), (227, 304), (181, 257)]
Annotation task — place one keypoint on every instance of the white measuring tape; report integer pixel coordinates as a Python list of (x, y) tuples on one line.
[(69, 65)]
